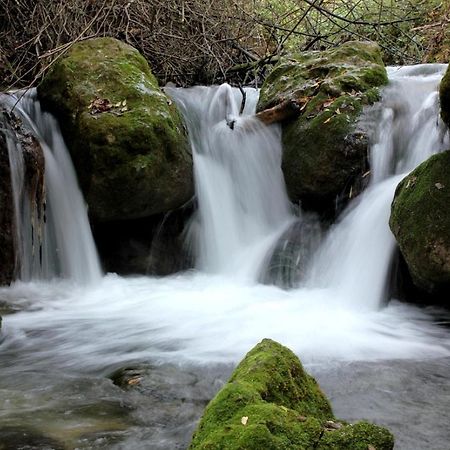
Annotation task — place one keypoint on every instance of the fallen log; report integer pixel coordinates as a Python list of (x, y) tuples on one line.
[(287, 109)]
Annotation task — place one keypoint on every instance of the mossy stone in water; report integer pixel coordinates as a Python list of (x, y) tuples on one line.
[(420, 221), (270, 402), (325, 149), (125, 136)]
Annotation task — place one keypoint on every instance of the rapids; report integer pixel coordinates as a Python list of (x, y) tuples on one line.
[(375, 357)]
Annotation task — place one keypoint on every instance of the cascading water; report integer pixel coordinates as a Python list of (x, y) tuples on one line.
[(356, 256), (389, 364), (242, 203), (57, 242)]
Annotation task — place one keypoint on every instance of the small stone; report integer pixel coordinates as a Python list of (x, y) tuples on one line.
[(439, 186), (244, 420)]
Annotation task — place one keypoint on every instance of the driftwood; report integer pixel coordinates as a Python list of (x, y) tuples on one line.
[(285, 110)]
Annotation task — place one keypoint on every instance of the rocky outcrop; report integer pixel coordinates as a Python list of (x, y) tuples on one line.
[(420, 221), (270, 402), (125, 136), (325, 148)]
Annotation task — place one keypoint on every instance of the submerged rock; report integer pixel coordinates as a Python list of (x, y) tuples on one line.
[(13, 438), (270, 402), (325, 148), (420, 221), (125, 136)]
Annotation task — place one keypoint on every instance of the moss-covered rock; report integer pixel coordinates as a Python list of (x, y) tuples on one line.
[(325, 149), (125, 136), (444, 97), (420, 221), (271, 403)]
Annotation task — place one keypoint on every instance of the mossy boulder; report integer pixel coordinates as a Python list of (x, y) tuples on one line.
[(420, 221), (271, 403), (325, 148), (444, 97), (125, 136)]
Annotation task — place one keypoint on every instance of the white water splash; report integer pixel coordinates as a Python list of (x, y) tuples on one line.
[(68, 249), (242, 203)]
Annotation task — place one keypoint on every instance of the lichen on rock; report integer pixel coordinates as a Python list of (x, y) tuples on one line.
[(420, 222), (325, 149), (270, 402), (125, 136)]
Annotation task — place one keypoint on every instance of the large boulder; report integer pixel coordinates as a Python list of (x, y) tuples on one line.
[(420, 221), (125, 136), (271, 403), (325, 148)]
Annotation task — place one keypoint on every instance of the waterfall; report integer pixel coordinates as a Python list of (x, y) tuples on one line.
[(57, 241), (243, 208), (242, 202), (355, 258)]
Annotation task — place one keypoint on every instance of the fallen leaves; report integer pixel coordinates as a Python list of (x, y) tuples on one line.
[(439, 186), (244, 420), (101, 105)]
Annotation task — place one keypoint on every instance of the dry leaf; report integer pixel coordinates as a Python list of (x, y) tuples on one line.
[(440, 186), (134, 381), (244, 420), (326, 121)]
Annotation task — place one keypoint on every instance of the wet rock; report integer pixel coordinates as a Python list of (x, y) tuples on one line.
[(153, 245), (15, 134), (270, 402), (125, 136), (421, 225), (444, 97), (325, 148), (290, 258), (7, 254)]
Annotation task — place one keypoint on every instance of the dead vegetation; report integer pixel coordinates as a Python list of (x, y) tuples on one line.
[(203, 41)]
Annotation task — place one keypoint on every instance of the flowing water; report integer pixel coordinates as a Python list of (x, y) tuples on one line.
[(60, 243), (383, 361)]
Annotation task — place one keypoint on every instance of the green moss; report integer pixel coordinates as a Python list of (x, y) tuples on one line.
[(420, 221), (361, 436), (132, 159), (270, 402), (324, 149)]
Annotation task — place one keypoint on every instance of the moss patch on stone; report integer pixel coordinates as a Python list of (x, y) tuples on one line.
[(325, 150), (131, 153), (420, 221), (270, 402)]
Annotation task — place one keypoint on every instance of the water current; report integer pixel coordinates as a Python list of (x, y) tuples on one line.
[(376, 358)]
